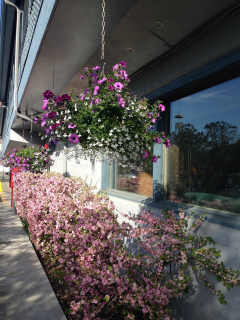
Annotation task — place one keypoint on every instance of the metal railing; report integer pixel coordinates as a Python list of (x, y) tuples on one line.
[(32, 18), (33, 13)]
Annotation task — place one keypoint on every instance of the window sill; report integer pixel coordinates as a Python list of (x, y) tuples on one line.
[(226, 219), (129, 196)]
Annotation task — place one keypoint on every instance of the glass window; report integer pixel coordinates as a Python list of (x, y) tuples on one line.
[(138, 181), (202, 166)]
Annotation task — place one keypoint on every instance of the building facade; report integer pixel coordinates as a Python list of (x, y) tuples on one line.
[(185, 53)]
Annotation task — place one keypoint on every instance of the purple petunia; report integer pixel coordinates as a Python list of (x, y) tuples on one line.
[(118, 85), (123, 64), (73, 138), (48, 131), (36, 120), (145, 154), (58, 100), (72, 126), (48, 94), (54, 126), (167, 143), (149, 115), (66, 97), (82, 77), (111, 87), (154, 159), (51, 115), (110, 80), (55, 140), (93, 75), (96, 68), (157, 139), (85, 69)]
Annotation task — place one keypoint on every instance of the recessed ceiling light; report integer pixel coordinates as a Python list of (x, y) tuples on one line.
[(130, 49), (158, 24)]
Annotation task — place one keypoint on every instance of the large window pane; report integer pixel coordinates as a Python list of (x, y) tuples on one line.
[(135, 181), (204, 158)]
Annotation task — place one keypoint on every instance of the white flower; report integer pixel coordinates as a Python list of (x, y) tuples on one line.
[(110, 133), (99, 120)]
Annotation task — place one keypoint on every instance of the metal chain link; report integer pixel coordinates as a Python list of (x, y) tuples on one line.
[(31, 123), (23, 133), (103, 29)]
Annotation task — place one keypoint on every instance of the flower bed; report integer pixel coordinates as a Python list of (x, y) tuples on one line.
[(78, 231)]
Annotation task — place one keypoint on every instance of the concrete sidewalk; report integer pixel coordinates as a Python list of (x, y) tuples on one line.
[(25, 292)]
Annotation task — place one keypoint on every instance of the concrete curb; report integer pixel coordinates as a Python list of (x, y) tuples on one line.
[(25, 291)]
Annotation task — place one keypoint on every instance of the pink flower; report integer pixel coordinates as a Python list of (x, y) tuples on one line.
[(115, 67), (73, 138), (97, 101), (161, 107), (45, 104), (71, 126), (122, 102), (95, 92), (102, 80), (118, 85), (81, 77), (96, 68), (123, 64)]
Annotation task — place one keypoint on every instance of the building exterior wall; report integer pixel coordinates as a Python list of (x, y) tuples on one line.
[(85, 169), (207, 54)]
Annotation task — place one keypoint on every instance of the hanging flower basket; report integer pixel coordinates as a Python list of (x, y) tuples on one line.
[(33, 159), (106, 122)]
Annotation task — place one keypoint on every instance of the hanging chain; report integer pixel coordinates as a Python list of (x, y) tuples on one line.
[(103, 29), (31, 123), (31, 142), (23, 133)]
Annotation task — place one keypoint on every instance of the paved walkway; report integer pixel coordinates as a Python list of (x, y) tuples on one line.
[(25, 292)]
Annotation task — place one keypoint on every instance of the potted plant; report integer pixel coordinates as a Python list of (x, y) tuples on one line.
[(106, 121)]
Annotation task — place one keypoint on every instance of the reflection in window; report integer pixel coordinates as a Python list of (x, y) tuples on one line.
[(138, 181), (203, 163)]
